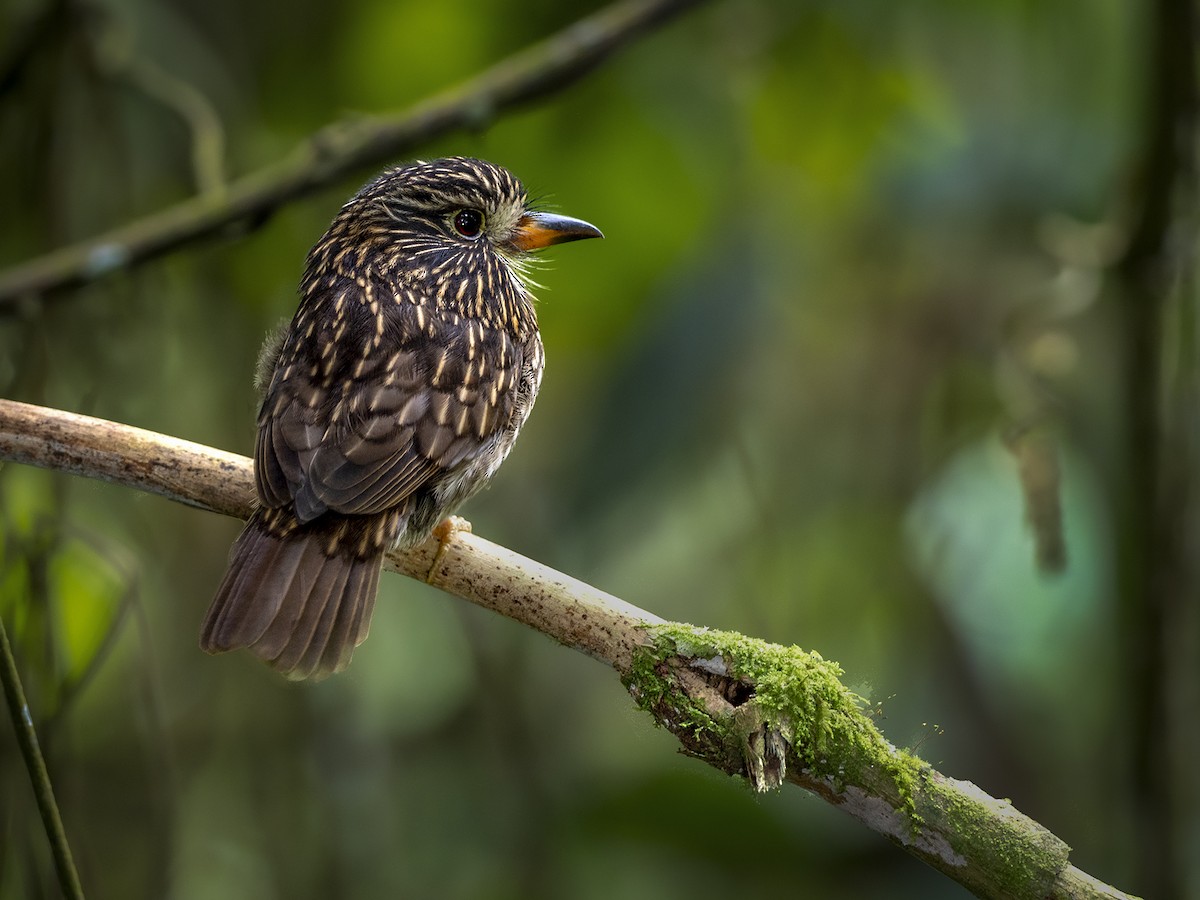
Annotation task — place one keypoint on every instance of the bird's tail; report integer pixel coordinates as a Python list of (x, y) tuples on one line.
[(302, 611)]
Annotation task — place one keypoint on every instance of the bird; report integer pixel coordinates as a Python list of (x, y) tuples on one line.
[(393, 395)]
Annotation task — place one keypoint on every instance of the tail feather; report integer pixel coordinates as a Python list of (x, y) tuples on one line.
[(337, 634), (229, 624), (308, 634), (301, 611), (301, 576), (252, 564)]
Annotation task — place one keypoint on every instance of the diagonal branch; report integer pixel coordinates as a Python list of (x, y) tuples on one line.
[(747, 707), (344, 147)]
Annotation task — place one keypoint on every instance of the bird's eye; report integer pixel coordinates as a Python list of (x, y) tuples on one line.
[(468, 222)]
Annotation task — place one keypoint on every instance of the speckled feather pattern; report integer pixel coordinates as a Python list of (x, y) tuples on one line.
[(398, 389)]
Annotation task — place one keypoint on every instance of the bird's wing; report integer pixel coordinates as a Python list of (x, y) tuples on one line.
[(360, 435)]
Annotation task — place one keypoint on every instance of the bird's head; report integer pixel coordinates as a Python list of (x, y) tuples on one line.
[(457, 229)]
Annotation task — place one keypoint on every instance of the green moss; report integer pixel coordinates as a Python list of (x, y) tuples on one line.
[(1002, 842), (773, 691), (796, 692)]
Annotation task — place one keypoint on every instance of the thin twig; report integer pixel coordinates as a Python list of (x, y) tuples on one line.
[(194, 110), (704, 696), (342, 148), (35, 764)]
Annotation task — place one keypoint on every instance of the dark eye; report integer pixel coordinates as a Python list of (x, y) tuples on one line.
[(468, 222)]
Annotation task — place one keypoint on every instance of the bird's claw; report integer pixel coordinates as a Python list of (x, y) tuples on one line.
[(449, 527), (445, 532)]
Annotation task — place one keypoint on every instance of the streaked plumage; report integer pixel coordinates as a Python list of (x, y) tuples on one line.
[(396, 392)]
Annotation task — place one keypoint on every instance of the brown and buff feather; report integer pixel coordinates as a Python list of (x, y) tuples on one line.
[(394, 394)]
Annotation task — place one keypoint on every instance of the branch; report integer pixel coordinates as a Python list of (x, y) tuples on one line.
[(747, 707), (343, 147), (35, 764)]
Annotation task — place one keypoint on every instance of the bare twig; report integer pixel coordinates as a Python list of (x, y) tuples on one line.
[(344, 147), (745, 706), (35, 764), (193, 109)]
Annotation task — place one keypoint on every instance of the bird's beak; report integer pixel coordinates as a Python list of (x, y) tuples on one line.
[(538, 229)]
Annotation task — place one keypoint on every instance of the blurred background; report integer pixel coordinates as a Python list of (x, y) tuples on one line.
[(866, 313)]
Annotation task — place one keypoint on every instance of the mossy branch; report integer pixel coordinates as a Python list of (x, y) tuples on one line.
[(341, 148), (768, 713)]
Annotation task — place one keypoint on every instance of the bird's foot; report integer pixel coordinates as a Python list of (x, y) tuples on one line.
[(445, 532)]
